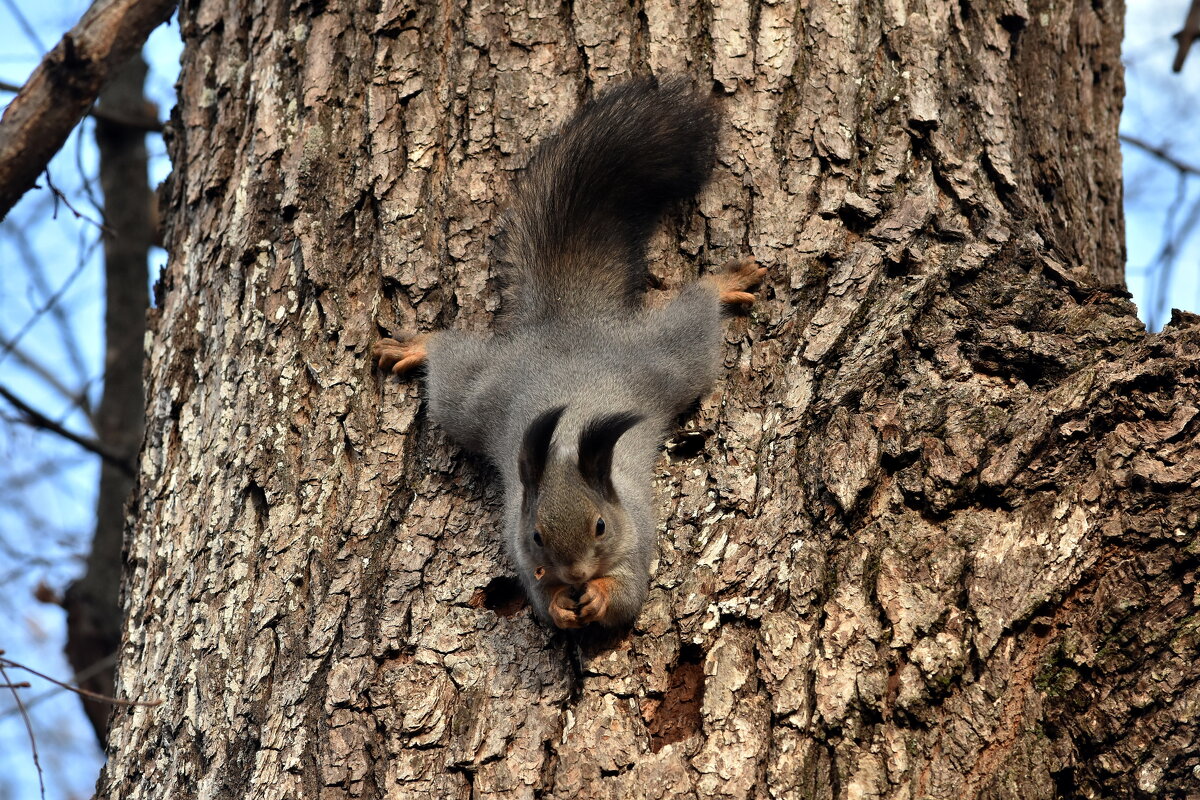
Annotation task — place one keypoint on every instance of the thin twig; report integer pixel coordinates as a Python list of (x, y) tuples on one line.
[(28, 726), (39, 420), (38, 276), (58, 195), (79, 677), (77, 399), (103, 698), (85, 180), (49, 305), (1169, 259), (1161, 154)]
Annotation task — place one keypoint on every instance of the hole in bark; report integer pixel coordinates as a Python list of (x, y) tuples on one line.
[(685, 445), (258, 501), (854, 219), (1014, 24), (677, 715), (900, 461), (503, 595), (898, 267), (1012, 360), (1026, 367), (689, 412), (1064, 783)]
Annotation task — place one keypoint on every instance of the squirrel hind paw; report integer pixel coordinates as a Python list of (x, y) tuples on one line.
[(400, 357), (735, 280)]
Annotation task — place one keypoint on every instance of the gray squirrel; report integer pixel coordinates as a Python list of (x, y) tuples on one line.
[(573, 395)]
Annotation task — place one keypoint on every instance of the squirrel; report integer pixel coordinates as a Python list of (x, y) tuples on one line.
[(572, 396)]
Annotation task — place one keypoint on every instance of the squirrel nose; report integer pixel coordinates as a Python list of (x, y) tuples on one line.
[(577, 575)]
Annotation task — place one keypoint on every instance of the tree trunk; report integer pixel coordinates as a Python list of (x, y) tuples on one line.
[(931, 537)]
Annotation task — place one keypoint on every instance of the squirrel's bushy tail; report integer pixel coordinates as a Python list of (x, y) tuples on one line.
[(573, 240)]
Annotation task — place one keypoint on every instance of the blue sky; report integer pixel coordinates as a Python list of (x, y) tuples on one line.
[(50, 520), (1164, 109), (46, 525)]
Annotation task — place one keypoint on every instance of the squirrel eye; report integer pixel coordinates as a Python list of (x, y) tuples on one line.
[(537, 538), (600, 526)]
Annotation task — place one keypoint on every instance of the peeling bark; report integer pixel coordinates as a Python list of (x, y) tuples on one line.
[(933, 536)]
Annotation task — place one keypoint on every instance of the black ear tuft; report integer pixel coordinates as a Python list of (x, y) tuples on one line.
[(535, 448), (596, 445)]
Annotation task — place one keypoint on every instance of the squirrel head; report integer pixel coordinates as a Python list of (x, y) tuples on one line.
[(572, 521)]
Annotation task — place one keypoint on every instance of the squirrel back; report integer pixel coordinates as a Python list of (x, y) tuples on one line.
[(572, 401), (572, 244)]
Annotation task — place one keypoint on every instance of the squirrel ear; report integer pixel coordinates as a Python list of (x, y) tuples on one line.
[(596, 445), (535, 448)]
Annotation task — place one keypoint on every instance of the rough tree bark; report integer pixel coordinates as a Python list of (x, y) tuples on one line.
[(933, 536)]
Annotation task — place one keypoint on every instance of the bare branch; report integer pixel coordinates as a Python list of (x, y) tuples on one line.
[(8, 662), (59, 196), (50, 302), (1160, 153), (99, 666), (39, 420), (64, 86), (1191, 30), (146, 123), (1168, 258), (45, 373), (28, 724)]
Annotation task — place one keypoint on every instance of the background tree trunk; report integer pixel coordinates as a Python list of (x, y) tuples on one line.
[(932, 537), (92, 602)]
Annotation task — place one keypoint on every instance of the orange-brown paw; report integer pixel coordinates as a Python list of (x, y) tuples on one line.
[(400, 357), (563, 608), (593, 605), (735, 280)]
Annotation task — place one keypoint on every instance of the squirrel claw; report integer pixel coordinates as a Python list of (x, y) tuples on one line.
[(400, 357), (593, 605), (735, 278)]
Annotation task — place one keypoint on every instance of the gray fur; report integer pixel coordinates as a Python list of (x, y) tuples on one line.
[(575, 335)]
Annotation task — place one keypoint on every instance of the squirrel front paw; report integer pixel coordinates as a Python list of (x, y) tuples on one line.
[(562, 608), (593, 605), (735, 280), (400, 357)]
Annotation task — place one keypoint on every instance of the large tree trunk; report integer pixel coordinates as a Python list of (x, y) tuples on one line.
[(932, 537)]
